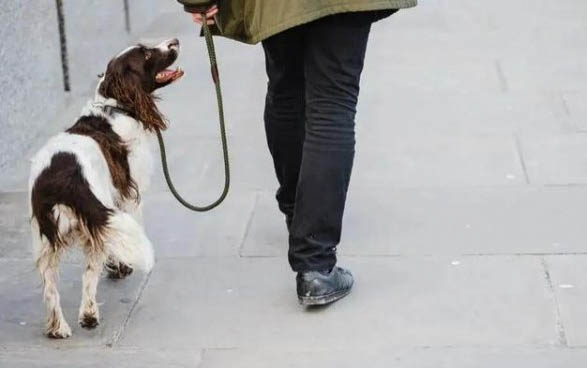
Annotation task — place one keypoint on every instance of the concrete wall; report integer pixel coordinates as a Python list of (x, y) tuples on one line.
[(31, 85)]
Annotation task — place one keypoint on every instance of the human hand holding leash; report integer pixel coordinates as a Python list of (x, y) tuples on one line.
[(210, 13)]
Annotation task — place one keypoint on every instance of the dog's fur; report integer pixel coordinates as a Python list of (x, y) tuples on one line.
[(85, 183)]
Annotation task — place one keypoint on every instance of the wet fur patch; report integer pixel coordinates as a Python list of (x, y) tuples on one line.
[(114, 150)]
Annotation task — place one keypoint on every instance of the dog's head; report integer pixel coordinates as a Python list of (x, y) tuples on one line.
[(133, 75)]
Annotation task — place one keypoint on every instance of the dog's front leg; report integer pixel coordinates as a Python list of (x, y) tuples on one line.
[(89, 315)]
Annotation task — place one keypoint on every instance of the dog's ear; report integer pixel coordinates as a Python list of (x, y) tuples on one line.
[(130, 94)]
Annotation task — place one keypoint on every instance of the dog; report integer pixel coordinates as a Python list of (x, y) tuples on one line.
[(86, 183)]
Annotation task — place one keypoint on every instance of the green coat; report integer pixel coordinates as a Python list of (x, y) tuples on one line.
[(252, 21)]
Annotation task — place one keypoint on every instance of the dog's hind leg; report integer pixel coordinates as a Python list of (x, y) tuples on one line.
[(47, 259), (116, 269), (89, 314), (127, 244)]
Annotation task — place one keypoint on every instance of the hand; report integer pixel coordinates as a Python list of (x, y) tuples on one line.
[(210, 13)]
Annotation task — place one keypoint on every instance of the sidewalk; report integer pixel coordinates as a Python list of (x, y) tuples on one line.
[(465, 225)]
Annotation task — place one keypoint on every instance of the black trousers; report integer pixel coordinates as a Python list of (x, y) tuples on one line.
[(314, 73)]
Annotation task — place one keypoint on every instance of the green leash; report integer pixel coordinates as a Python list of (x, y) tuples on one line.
[(216, 79)]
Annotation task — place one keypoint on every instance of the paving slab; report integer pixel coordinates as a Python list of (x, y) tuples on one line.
[(397, 358), (22, 314), (176, 231), (422, 74), (244, 124), (267, 235), (15, 236), (485, 220), (392, 55), (16, 176), (99, 357), (197, 165), (167, 22), (569, 281), (442, 221), (539, 59), (555, 159), (557, 71), (251, 302), (576, 108), (456, 114), (434, 160)]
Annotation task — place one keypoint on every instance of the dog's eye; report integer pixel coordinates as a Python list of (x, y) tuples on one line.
[(148, 54)]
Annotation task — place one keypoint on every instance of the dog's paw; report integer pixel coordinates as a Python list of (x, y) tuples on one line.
[(62, 331), (88, 321), (118, 270)]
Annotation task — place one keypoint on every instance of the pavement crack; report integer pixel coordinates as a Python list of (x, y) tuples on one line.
[(521, 158), (567, 110), (560, 328), (566, 105), (248, 225), (503, 82), (124, 324)]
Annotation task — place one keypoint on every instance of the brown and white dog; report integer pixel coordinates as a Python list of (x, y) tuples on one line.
[(85, 183)]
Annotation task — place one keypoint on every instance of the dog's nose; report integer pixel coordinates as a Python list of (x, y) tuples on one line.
[(173, 44)]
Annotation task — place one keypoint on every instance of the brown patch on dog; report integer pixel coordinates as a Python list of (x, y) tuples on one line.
[(63, 183), (114, 150)]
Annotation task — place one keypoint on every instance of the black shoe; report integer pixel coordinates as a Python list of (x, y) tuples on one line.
[(318, 288)]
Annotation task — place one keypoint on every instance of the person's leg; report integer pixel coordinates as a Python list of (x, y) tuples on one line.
[(335, 50), (284, 111)]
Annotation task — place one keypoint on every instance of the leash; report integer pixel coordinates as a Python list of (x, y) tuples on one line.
[(216, 79)]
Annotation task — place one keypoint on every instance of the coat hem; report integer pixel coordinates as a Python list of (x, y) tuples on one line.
[(307, 18)]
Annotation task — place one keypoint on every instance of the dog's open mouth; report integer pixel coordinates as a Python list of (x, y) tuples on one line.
[(169, 75)]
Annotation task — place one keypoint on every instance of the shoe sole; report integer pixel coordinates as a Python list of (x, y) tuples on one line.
[(323, 299)]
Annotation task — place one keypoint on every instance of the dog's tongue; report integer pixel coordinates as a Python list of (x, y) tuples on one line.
[(167, 75)]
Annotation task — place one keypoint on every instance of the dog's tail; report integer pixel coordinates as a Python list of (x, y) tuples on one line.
[(126, 242)]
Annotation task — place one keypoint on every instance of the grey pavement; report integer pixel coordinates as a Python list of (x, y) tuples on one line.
[(465, 225)]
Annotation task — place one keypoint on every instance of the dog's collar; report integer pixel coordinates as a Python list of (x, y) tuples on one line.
[(110, 109)]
